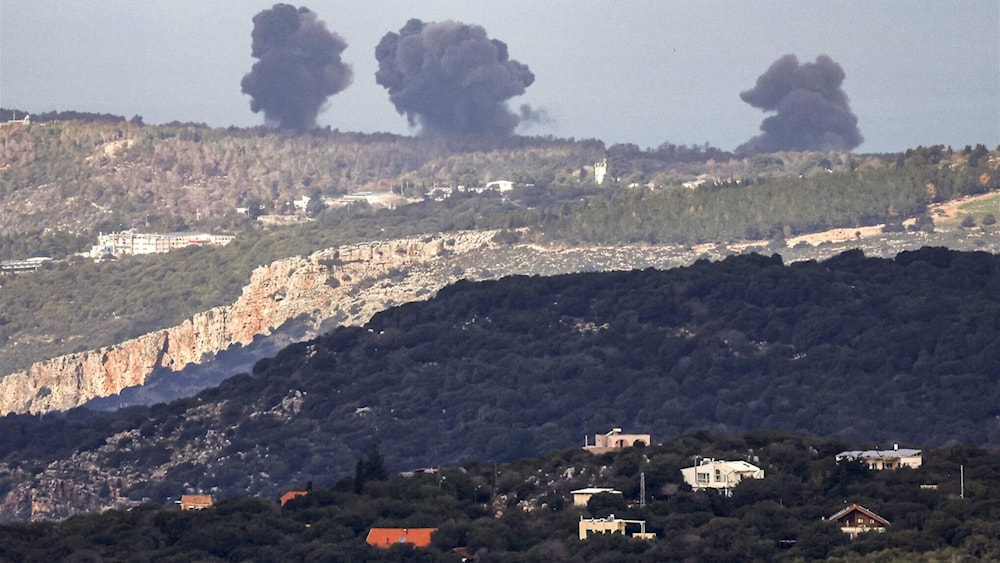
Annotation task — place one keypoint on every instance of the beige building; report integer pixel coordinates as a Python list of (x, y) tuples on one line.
[(582, 496), (132, 242), (720, 475), (614, 441), (612, 525), (878, 460)]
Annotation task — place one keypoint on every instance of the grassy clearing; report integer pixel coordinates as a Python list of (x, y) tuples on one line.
[(977, 209)]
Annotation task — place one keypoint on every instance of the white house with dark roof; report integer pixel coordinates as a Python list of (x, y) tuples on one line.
[(878, 460)]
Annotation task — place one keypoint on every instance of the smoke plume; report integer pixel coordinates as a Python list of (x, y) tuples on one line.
[(449, 78), (298, 66), (812, 112)]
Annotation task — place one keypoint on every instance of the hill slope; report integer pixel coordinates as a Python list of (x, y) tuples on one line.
[(862, 349)]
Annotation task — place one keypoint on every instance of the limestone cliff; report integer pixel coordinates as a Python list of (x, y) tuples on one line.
[(348, 283)]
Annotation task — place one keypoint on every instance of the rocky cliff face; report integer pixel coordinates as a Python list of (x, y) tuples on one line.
[(348, 284)]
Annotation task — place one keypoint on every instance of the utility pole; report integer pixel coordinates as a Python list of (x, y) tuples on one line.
[(961, 469), (642, 490)]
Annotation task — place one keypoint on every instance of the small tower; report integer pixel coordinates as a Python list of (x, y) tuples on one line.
[(600, 171)]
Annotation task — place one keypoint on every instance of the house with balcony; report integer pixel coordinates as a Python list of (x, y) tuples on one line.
[(720, 475), (855, 519)]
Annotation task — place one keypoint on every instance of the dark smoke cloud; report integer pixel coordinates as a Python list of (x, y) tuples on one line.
[(812, 112), (451, 79), (299, 66)]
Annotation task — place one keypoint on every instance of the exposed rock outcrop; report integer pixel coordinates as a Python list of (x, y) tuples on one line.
[(349, 284)]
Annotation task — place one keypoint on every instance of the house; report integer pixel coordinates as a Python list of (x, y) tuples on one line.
[(196, 502), (614, 441), (612, 525), (386, 537), (582, 496), (720, 475), (878, 460), (600, 171), (855, 519), (290, 495), (500, 185)]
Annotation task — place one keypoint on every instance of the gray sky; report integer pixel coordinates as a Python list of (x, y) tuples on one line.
[(919, 72)]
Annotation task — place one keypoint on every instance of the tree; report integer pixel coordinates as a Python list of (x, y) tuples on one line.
[(369, 468)]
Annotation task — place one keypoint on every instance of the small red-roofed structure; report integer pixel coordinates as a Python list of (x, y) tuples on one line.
[(387, 537), (292, 494)]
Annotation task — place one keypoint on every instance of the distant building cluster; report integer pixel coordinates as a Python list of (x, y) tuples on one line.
[(131, 242), (27, 265)]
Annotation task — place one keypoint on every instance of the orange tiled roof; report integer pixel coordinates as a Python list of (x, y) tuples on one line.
[(386, 537), (195, 501), (292, 494)]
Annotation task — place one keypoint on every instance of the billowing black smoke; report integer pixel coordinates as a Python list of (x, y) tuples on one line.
[(451, 79), (812, 112), (299, 66)]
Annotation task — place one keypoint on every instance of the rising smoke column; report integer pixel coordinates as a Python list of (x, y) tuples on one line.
[(812, 112), (299, 66), (451, 79)]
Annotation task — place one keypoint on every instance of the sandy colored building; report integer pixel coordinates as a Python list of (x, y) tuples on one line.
[(582, 496), (615, 441), (612, 525)]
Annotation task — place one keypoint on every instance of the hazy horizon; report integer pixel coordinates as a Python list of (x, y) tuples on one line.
[(644, 72)]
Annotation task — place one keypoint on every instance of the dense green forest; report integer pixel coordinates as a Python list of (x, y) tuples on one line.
[(522, 511), (864, 350), (102, 176)]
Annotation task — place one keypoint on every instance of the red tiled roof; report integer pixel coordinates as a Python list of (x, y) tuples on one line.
[(385, 537), (292, 494), (195, 501)]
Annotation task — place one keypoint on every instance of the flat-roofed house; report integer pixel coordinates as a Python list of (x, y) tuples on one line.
[(615, 440), (582, 496), (896, 458)]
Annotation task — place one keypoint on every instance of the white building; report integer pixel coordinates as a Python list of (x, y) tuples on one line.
[(132, 242), (885, 459), (501, 185), (720, 475), (600, 171)]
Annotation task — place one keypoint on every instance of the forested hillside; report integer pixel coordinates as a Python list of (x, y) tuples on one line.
[(64, 180), (862, 349), (523, 511)]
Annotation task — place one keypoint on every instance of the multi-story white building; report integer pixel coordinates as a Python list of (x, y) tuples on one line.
[(132, 242), (720, 475)]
